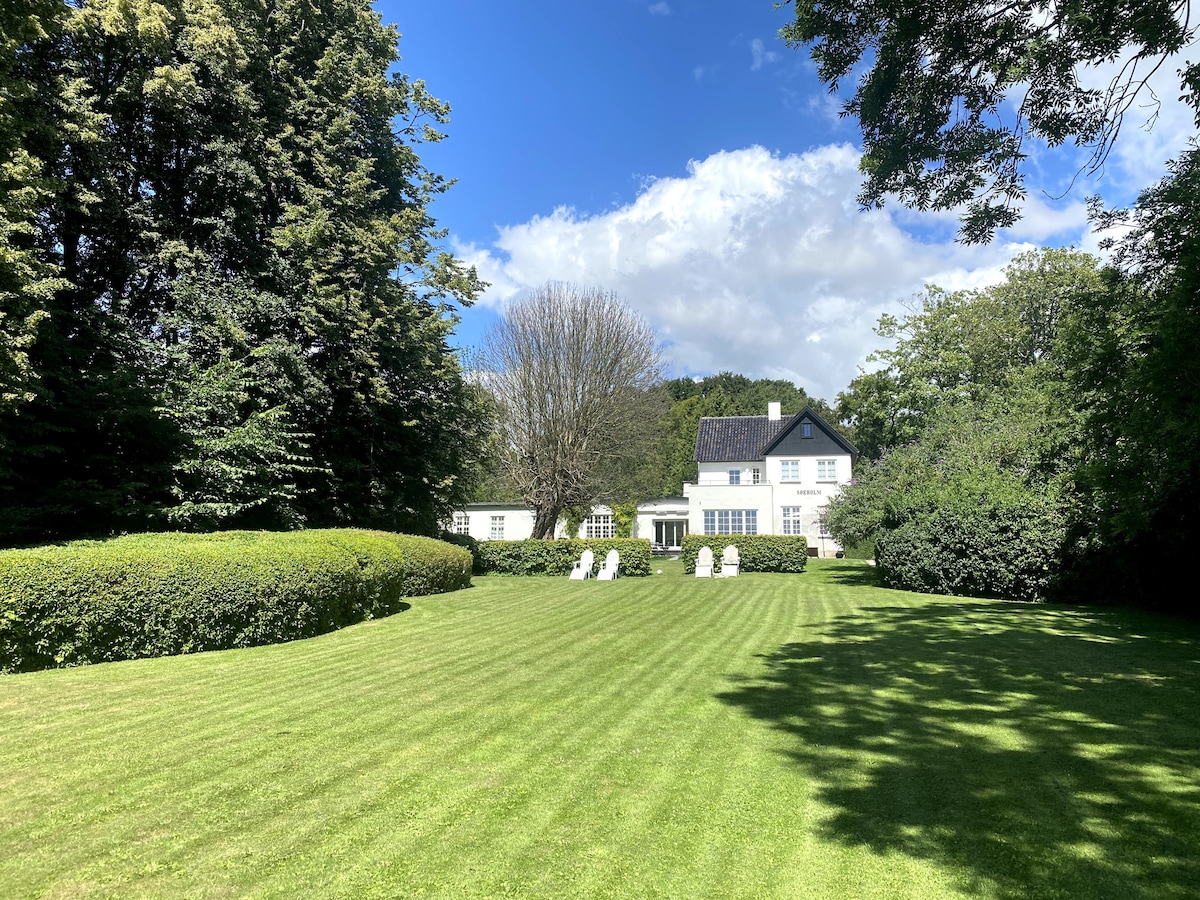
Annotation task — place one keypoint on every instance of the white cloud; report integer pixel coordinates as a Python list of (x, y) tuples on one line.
[(760, 55), (755, 263), (660, 9)]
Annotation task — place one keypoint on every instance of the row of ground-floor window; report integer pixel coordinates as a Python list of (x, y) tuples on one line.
[(668, 533), (745, 521)]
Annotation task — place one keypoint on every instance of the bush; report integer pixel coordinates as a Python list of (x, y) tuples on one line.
[(974, 549), (469, 543), (162, 594), (557, 557), (863, 550), (758, 552)]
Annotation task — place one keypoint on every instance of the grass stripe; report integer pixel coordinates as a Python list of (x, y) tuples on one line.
[(769, 736)]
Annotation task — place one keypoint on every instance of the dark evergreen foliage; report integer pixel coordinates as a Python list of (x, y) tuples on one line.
[(232, 309)]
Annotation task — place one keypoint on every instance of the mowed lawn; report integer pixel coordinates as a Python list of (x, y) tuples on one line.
[(770, 736)]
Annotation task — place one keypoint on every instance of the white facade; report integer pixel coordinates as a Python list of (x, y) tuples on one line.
[(784, 491), (803, 464), (494, 522), (663, 522)]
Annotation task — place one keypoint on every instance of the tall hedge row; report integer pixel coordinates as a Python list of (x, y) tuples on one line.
[(163, 594), (978, 549), (558, 557), (757, 552)]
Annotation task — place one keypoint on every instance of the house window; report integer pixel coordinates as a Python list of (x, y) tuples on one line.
[(791, 520), (497, 532), (789, 470), (806, 430), (598, 527), (735, 476), (462, 523), (755, 476), (826, 470), (731, 521)]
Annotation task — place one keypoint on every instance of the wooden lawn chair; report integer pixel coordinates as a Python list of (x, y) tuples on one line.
[(583, 567), (730, 562), (608, 571)]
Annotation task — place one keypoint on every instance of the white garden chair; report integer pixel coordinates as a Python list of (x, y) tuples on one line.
[(608, 571), (730, 562), (704, 563), (583, 568)]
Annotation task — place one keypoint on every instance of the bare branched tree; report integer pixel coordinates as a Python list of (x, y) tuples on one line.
[(572, 371)]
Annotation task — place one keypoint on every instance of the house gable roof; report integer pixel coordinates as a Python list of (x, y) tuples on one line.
[(745, 438), (830, 434), (736, 438)]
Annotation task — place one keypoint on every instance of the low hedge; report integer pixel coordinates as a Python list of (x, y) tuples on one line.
[(558, 557), (757, 552), (163, 594)]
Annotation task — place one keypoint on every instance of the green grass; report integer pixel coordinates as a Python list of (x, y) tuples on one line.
[(769, 736)]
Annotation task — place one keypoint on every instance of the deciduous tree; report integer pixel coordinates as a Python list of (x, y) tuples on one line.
[(251, 312), (573, 372), (935, 79)]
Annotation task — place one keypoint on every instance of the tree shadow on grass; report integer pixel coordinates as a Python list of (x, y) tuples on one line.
[(850, 573), (1038, 751)]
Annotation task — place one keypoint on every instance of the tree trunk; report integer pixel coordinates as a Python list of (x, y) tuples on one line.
[(544, 520)]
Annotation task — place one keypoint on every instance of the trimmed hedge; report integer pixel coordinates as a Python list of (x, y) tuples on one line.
[(758, 552), (164, 594), (558, 557)]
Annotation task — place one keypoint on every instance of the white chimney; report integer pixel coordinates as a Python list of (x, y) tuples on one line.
[(773, 413)]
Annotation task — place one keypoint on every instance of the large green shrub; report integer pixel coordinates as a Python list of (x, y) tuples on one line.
[(757, 552), (162, 594), (557, 557), (975, 547)]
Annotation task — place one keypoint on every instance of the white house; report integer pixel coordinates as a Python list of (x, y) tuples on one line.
[(663, 521), (769, 474)]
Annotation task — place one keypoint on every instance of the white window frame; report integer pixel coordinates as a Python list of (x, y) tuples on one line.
[(792, 521), (735, 476), (789, 470), (462, 523), (599, 526), (827, 470), (497, 528), (731, 521), (755, 475)]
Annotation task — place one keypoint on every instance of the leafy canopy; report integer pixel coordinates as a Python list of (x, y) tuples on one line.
[(934, 80)]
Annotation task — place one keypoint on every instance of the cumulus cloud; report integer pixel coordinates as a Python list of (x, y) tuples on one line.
[(660, 9), (755, 262)]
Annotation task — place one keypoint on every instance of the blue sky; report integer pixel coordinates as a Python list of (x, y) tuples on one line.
[(677, 153)]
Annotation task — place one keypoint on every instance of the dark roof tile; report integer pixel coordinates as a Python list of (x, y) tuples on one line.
[(736, 438)]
